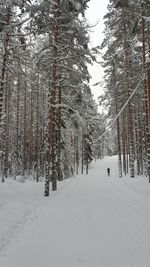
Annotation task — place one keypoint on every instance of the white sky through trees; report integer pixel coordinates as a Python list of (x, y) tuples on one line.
[(97, 9)]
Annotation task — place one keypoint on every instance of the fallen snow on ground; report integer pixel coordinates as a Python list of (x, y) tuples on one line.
[(91, 221)]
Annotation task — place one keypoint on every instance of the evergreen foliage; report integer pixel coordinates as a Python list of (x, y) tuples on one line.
[(48, 118)]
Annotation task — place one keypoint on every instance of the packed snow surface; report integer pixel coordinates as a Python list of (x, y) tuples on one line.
[(90, 221)]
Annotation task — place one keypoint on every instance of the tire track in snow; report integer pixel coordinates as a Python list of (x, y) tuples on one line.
[(16, 227), (120, 206), (131, 214)]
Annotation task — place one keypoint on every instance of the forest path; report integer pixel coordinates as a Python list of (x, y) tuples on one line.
[(91, 221)]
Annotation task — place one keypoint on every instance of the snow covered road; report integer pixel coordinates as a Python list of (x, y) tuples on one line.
[(91, 221)]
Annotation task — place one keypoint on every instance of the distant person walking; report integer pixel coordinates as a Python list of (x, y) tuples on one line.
[(108, 171)]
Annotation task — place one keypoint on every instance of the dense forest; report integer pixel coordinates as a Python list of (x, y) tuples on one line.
[(50, 127), (126, 48), (48, 118)]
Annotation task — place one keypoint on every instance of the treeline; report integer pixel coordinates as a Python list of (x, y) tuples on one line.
[(126, 52), (48, 118)]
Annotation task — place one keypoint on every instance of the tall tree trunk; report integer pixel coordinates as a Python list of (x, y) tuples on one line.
[(118, 124), (129, 91), (137, 143), (53, 123), (43, 158), (60, 177), (25, 131), (2, 80), (124, 150), (145, 100), (37, 131), (77, 154), (48, 145), (30, 158), (82, 159), (6, 134), (148, 134), (53, 91)]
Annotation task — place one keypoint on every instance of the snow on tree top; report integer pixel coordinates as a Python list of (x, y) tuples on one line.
[(147, 59), (76, 5), (9, 2), (146, 18)]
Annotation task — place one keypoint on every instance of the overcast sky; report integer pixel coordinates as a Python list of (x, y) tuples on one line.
[(97, 9)]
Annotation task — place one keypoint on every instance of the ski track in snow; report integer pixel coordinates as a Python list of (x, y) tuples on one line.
[(17, 207), (91, 221)]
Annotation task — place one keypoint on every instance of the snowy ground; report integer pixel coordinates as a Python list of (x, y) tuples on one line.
[(91, 221)]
